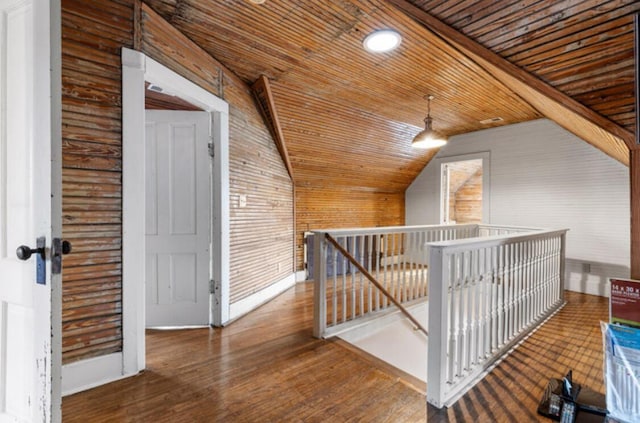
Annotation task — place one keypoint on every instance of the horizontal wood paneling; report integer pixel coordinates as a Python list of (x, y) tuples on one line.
[(468, 200), (262, 231), (340, 107), (331, 208), (93, 33), (581, 48), (347, 116), (154, 100)]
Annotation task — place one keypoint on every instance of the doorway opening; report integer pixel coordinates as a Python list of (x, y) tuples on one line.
[(138, 71), (461, 198), (464, 189)]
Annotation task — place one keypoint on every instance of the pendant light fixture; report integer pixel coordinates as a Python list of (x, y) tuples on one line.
[(428, 138)]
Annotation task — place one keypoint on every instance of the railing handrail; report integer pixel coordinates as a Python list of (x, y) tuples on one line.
[(520, 228), (456, 245), (373, 280), (417, 228), (387, 229)]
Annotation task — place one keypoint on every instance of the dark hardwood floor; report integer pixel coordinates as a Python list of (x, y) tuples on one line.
[(267, 367)]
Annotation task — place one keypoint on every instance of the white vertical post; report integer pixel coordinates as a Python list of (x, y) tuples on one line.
[(320, 284), (361, 257), (438, 327), (343, 291), (563, 252)]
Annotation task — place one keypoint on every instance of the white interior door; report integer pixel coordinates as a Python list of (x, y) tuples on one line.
[(177, 218), (25, 210)]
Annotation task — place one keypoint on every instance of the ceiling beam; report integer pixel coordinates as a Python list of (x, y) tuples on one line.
[(262, 93), (585, 123)]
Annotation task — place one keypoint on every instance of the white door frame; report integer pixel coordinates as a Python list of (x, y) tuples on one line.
[(45, 110), (136, 69), (486, 180)]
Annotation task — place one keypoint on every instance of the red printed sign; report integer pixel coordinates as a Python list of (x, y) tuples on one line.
[(624, 302)]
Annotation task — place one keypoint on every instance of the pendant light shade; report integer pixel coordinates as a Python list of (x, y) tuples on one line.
[(428, 138)]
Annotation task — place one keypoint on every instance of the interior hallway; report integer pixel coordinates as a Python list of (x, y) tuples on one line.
[(267, 367)]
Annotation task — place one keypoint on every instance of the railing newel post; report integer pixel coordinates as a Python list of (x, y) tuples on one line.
[(320, 285), (438, 327)]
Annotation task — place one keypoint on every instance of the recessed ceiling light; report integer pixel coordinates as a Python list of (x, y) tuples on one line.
[(382, 41)]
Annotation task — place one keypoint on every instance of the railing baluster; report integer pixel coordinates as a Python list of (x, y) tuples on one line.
[(387, 257), (354, 276), (425, 260), (362, 261), (402, 274), (378, 250), (501, 296), (334, 253), (453, 331)]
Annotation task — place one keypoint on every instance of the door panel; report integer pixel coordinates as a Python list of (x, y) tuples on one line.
[(177, 218), (25, 210)]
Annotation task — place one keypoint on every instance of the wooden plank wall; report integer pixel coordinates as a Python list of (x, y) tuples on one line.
[(468, 200), (93, 33), (262, 231), (333, 208)]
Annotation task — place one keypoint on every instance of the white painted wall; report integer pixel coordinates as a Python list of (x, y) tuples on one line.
[(543, 176)]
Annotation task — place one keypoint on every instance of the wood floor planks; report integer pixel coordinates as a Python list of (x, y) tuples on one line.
[(266, 367)]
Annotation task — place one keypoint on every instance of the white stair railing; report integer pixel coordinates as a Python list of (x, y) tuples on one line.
[(485, 295), (395, 256)]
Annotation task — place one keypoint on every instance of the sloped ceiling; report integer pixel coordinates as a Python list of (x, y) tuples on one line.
[(348, 116)]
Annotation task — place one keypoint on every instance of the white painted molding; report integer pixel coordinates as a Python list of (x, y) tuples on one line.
[(174, 84), (221, 238), (592, 277), (255, 300), (133, 176), (486, 179), (136, 69), (301, 276), (87, 374), (133, 59)]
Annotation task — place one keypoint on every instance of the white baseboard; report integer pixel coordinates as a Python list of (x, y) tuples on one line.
[(87, 374), (587, 285), (592, 277), (301, 276), (251, 302)]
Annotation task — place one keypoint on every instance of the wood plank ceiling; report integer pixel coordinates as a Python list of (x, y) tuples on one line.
[(348, 116)]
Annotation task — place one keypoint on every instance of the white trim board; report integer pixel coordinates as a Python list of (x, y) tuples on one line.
[(136, 69), (87, 374), (485, 156), (245, 305)]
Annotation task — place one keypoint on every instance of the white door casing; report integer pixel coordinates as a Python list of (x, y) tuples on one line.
[(485, 156), (27, 56), (136, 69), (177, 220)]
